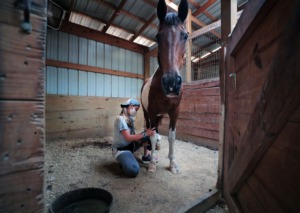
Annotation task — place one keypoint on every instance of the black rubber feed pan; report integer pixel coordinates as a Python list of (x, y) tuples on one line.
[(85, 200)]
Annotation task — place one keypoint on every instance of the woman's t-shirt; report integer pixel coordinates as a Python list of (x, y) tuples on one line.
[(118, 139)]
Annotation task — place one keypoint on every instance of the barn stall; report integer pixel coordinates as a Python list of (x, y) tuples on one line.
[(79, 103), (87, 79)]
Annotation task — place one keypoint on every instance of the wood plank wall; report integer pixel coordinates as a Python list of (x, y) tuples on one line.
[(199, 116), (72, 117), (22, 109)]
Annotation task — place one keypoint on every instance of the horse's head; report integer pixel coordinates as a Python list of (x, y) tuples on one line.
[(171, 39)]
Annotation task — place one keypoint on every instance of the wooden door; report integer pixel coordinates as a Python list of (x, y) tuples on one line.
[(261, 165)]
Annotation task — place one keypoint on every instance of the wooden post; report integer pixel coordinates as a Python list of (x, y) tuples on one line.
[(228, 21), (188, 76), (22, 109), (228, 17)]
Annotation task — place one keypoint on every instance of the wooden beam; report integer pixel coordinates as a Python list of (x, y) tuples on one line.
[(226, 28), (205, 29), (102, 21), (92, 69), (204, 7), (150, 20), (247, 24), (174, 7), (126, 13), (188, 52), (210, 16), (112, 18), (71, 8), (85, 32), (194, 3), (153, 52), (22, 108), (228, 17)]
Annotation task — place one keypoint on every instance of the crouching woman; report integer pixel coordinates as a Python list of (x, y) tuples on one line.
[(126, 142)]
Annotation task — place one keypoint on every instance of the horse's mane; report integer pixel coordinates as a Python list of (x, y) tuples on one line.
[(172, 19)]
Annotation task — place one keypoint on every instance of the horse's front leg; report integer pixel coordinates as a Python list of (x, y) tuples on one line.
[(173, 115), (174, 168), (152, 165)]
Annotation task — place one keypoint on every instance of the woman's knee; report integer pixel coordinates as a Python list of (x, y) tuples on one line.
[(129, 164), (131, 170)]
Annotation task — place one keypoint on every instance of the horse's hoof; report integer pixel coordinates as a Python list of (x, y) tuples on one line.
[(151, 167), (174, 169), (157, 146)]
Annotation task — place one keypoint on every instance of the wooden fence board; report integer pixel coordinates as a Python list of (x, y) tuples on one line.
[(21, 192), (20, 146), (199, 116), (71, 117), (80, 117), (22, 108)]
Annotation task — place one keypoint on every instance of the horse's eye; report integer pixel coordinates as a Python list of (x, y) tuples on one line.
[(184, 35)]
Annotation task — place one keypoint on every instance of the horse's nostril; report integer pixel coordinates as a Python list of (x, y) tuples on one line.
[(171, 84), (178, 80), (164, 80)]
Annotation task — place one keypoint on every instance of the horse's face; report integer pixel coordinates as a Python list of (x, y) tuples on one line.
[(171, 39)]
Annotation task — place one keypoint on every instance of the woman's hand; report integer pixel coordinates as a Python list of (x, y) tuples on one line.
[(150, 132)]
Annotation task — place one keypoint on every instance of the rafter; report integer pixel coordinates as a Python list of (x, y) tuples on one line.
[(150, 20), (204, 7), (71, 8), (104, 22), (145, 23), (116, 13)]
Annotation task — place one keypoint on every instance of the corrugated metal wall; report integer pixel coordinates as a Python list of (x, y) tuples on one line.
[(73, 49)]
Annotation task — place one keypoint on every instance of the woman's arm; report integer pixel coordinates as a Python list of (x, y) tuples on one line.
[(129, 138)]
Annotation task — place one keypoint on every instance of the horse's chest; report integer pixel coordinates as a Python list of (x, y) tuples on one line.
[(152, 94), (154, 100)]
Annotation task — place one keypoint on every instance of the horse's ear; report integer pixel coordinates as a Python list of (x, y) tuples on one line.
[(161, 10), (183, 10)]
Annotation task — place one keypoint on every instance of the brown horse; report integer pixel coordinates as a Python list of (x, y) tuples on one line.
[(161, 93)]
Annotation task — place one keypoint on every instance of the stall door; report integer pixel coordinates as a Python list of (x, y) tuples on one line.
[(262, 113)]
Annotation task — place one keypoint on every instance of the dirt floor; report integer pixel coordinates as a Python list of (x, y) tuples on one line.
[(72, 164)]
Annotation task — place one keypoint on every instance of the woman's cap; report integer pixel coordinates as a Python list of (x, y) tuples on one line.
[(131, 101)]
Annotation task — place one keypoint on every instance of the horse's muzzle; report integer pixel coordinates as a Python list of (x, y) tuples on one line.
[(171, 84)]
